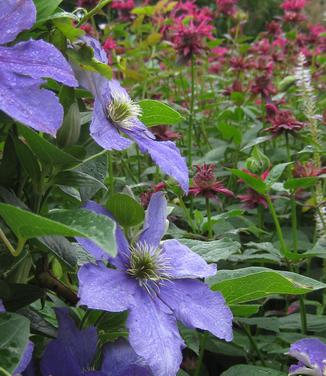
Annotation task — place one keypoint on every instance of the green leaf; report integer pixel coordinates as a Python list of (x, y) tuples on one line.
[(244, 310), (77, 179), (60, 247), (47, 152), (191, 338), (287, 82), (230, 132), (66, 26), (14, 331), (97, 168), (75, 222), (18, 295), (275, 173), (84, 57), (45, 9), (213, 251), (146, 11), (257, 141), (28, 161), (158, 113), (255, 183), (245, 370), (304, 183), (96, 227), (248, 284), (127, 211)]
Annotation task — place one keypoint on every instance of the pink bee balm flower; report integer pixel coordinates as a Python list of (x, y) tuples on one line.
[(303, 170), (226, 7), (294, 5), (109, 44), (189, 39), (123, 4), (282, 120), (205, 183)]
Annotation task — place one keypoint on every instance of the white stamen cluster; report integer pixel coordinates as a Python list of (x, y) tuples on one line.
[(122, 111), (149, 266)]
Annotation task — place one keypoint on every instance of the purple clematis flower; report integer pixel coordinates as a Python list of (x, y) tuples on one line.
[(158, 284), (73, 351), (311, 354), (115, 115), (119, 359), (22, 68)]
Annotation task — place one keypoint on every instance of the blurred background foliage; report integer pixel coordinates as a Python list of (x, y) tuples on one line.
[(262, 11)]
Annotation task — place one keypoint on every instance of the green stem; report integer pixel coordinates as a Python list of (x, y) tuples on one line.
[(191, 118), (186, 212), (138, 164), (284, 248), (12, 250), (202, 344), (4, 372), (92, 157), (111, 175), (83, 320), (294, 223), (99, 319), (209, 218), (287, 143), (303, 316), (93, 11), (254, 345)]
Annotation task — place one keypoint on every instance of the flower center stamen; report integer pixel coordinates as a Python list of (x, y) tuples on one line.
[(121, 110), (148, 265)]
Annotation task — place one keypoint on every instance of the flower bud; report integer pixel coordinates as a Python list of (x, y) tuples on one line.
[(258, 162), (69, 132)]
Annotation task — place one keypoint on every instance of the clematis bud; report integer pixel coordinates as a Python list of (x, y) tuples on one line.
[(69, 132), (258, 162)]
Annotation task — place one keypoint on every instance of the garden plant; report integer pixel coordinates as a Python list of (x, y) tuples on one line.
[(162, 188)]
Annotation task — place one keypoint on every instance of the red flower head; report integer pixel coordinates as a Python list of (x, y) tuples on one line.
[(274, 28), (145, 197), (189, 38), (293, 17), (235, 87), (308, 169), (189, 28), (87, 3), (88, 28), (123, 8), (165, 133), (205, 183), (226, 7), (109, 44), (123, 4), (262, 47), (282, 120), (293, 5), (264, 64), (251, 198), (239, 63), (263, 85)]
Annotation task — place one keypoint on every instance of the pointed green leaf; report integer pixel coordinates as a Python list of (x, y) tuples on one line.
[(253, 182), (248, 284), (14, 331), (158, 113), (76, 222)]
